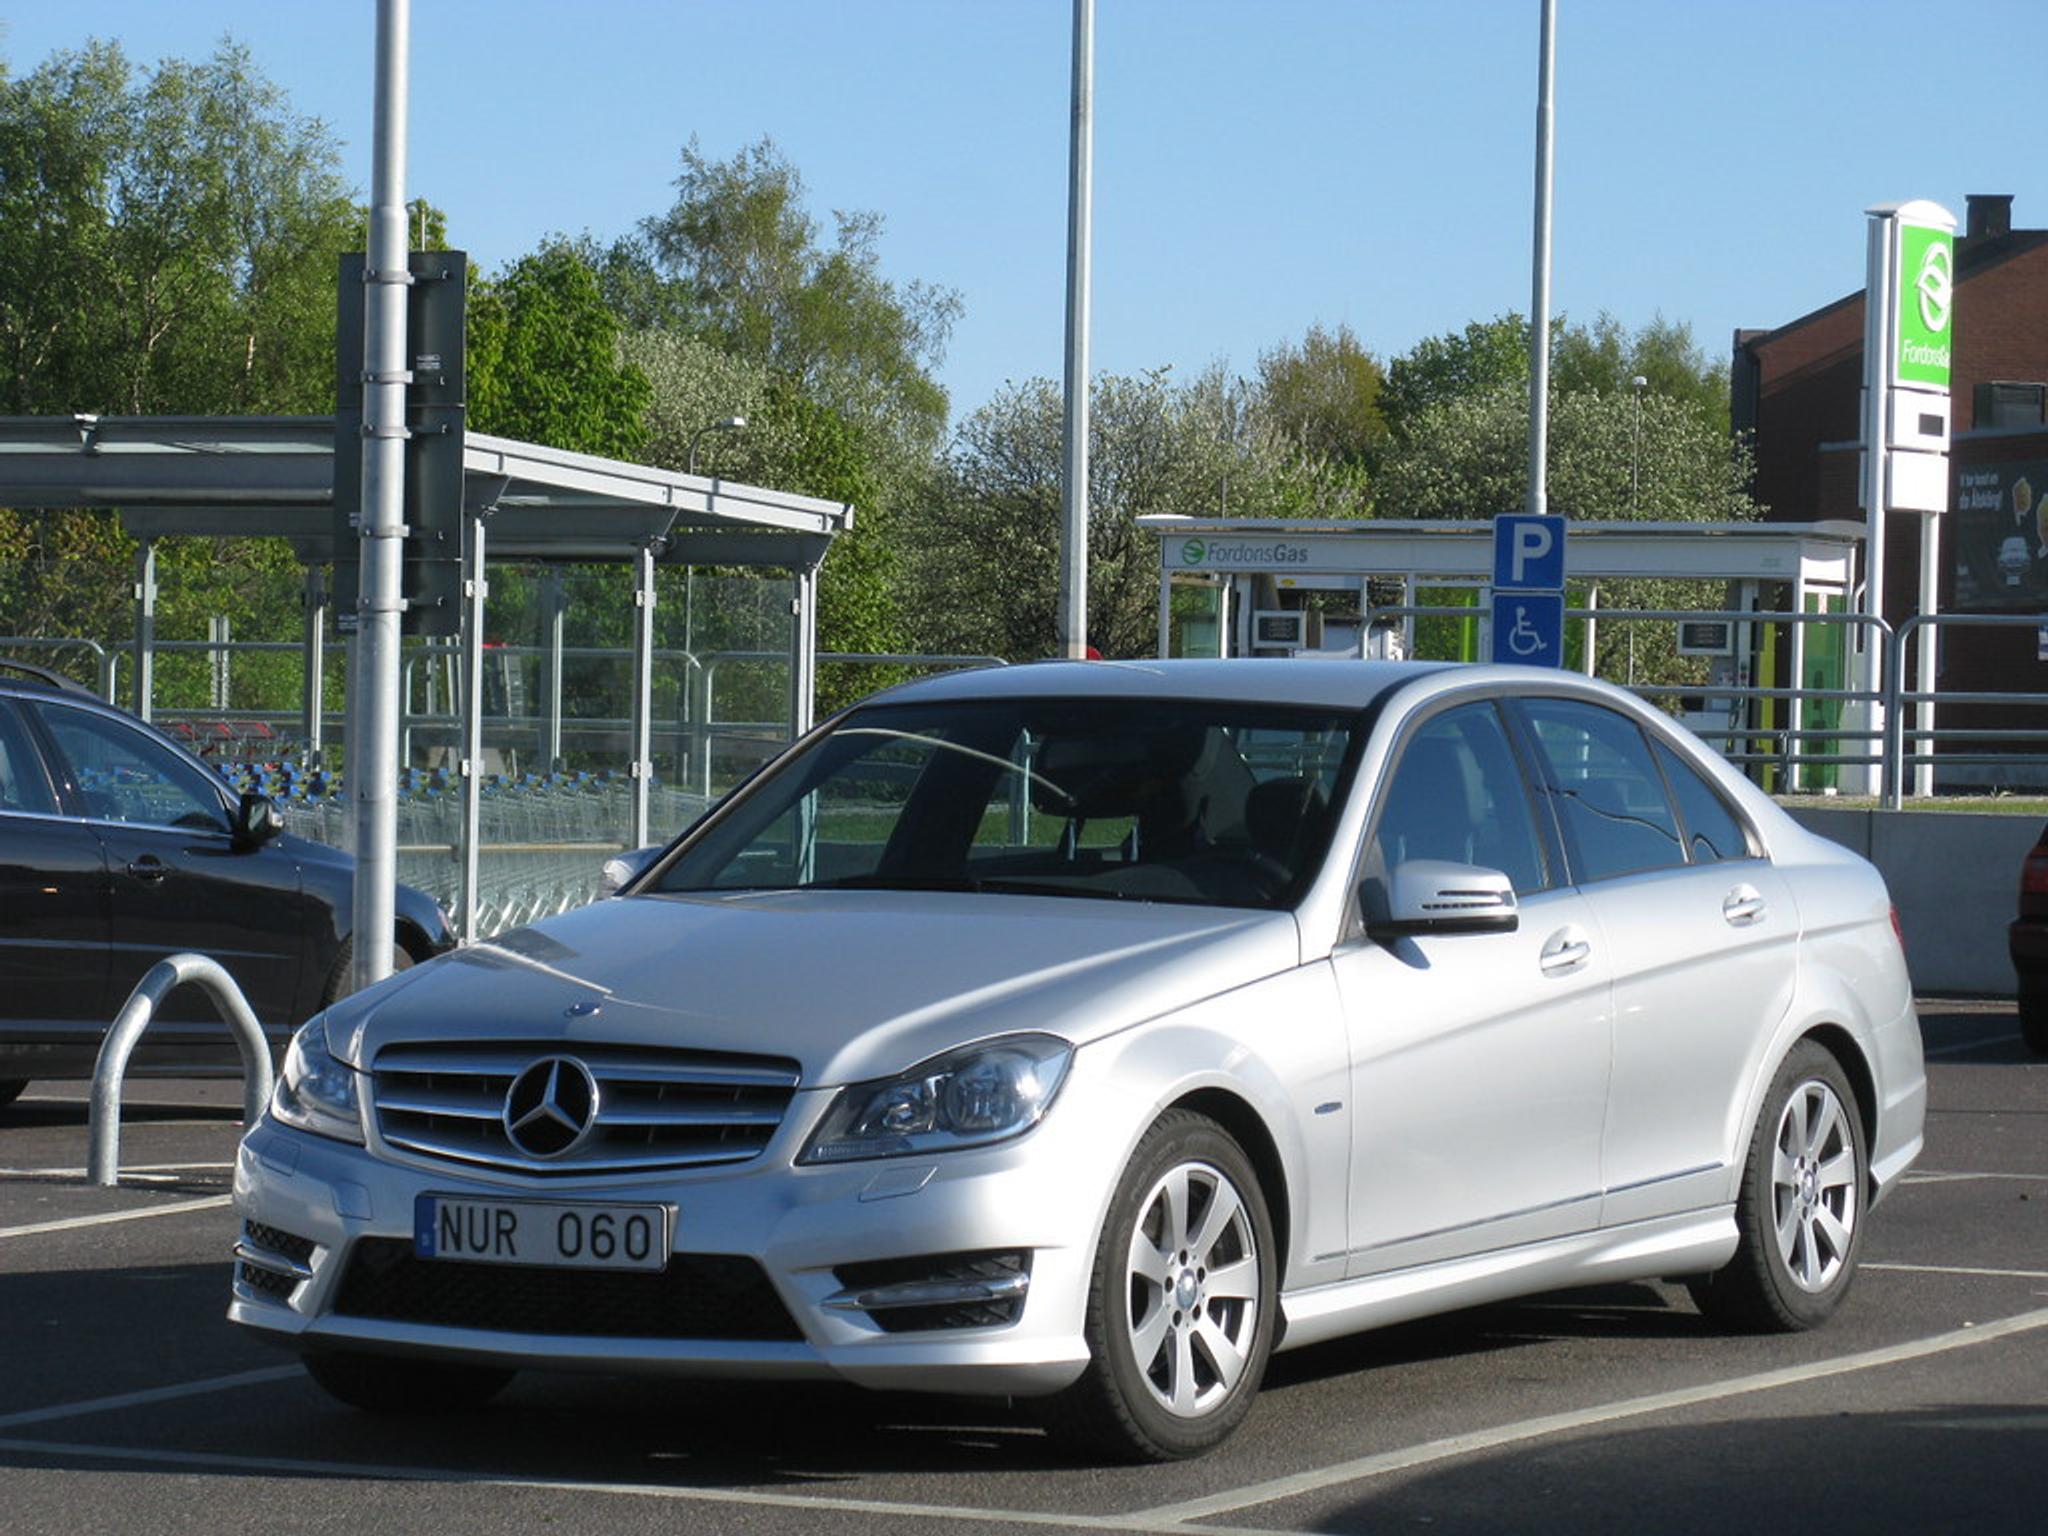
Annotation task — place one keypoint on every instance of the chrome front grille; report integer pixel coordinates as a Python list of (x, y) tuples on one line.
[(654, 1108)]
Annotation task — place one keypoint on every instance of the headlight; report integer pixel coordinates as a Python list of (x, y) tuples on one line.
[(314, 1091), (965, 1098)]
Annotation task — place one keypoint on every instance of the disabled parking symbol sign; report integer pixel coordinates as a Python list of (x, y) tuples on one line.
[(1528, 628)]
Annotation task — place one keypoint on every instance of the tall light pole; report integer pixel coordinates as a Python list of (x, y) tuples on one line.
[(1539, 297), (733, 423), (1072, 618), (1635, 453), (373, 744)]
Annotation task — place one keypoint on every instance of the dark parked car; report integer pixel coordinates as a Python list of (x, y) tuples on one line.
[(117, 848), (2028, 942)]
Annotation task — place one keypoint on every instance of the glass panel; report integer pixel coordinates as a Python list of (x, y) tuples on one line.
[(1459, 794), (125, 776), (1712, 831), (1208, 802), (1617, 818), (23, 785)]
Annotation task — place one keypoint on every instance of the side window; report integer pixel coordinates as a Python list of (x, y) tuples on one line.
[(1611, 801), (125, 776), (23, 784), (1458, 793), (1712, 831)]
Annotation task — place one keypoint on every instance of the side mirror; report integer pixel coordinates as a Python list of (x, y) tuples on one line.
[(1436, 896), (257, 821), (622, 869)]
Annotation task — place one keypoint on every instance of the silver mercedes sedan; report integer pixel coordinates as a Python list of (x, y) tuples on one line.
[(1088, 1032)]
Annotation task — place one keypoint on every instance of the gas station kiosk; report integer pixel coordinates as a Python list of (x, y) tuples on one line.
[(1391, 588)]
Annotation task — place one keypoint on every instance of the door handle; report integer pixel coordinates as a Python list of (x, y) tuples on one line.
[(1745, 905), (149, 869), (1564, 952)]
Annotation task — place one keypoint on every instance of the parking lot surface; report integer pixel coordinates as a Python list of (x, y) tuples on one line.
[(127, 1403)]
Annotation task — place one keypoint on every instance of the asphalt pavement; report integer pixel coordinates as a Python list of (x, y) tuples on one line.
[(127, 1403)]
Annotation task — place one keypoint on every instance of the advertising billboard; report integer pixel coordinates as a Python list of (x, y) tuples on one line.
[(2000, 537)]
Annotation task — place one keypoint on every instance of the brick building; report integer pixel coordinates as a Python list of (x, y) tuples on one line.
[(1797, 390)]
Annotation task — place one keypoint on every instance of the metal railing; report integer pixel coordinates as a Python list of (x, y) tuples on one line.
[(103, 1165)]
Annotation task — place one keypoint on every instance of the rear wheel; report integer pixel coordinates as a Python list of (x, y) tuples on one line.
[(2034, 1022), (392, 1384), (11, 1089), (1801, 1204), (1181, 1302)]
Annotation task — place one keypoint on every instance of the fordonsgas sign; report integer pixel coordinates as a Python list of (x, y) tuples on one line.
[(1242, 554), (1926, 300)]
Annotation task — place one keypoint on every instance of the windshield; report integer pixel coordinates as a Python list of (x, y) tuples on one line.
[(1213, 803)]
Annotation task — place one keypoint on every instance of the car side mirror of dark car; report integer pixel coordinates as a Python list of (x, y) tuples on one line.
[(257, 821), (1437, 896)]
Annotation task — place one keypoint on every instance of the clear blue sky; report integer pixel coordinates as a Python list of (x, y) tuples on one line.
[(1261, 165)]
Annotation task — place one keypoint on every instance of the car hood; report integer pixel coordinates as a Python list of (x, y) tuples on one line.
[(851, 984)]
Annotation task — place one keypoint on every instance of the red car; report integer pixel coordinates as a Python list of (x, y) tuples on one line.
[(2028, 943)]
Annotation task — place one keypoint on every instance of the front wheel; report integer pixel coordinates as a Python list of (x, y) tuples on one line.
[(397, 1385), (1181, 1301), (1799, 1211)]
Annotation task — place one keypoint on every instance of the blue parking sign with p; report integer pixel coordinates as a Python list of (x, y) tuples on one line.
[(1528, 553)]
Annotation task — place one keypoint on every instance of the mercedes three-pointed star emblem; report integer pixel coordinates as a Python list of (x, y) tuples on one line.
[(551, 1107)]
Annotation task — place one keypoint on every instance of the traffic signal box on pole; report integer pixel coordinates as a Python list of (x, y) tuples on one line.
[(435, 403)]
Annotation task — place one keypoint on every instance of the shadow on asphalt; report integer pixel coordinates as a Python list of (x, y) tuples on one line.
[(1937, 1468)]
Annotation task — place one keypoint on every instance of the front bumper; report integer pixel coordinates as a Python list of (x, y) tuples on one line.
[(1042, 1195)]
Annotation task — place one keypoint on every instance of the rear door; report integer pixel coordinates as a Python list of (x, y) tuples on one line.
[(53, 938), (1703, 935), (177, 879)]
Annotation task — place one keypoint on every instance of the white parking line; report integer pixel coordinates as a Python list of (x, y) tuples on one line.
[(128, 1170), (1929, 1176), (1971, 1045), (1960, 1269), (147, 1396), (819, 1503), (71, 1223), (1562, 1423)]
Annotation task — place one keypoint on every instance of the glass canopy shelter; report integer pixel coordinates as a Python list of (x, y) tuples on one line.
[(523, 504)]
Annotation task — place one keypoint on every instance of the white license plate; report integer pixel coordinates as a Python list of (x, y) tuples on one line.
[(564, 1235)]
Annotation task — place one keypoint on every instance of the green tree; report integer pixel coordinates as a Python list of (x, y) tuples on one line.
[(740, 241), (1323, 395), (544, 359), (1486, 354), (168, 244)]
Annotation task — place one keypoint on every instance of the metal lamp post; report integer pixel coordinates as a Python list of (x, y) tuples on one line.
[(723, 424), (1635, 453)]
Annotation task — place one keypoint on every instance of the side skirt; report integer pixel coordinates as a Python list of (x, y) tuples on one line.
[(1689, 1244)]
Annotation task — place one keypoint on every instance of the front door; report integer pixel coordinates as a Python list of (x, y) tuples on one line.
[(1479, 1061), (177, 878)]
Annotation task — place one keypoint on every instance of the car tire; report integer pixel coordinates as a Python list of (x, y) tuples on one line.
[(1181, 1301), (2033, 1023), (341, 979), (1801, 1204), (395, 1384), (11, 1089)]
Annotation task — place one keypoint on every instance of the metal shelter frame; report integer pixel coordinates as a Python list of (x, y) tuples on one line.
[(273, 476)]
